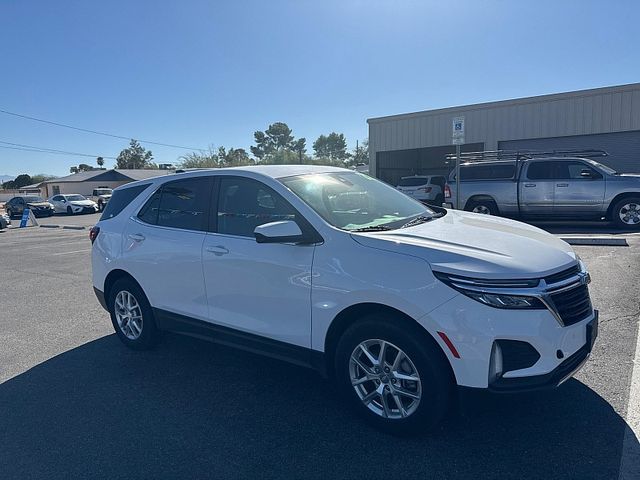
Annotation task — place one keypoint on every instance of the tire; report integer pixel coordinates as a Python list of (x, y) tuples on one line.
[(100, 206), (434, 388), (137, 335), (69, 211), (626, 213), (439, 200), (9, 213), (486, 207)]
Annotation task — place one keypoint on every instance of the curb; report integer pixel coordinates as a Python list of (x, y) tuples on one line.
[(609, 242), (64, 227)]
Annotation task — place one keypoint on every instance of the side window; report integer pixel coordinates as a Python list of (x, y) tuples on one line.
[(574, 171), (541, 171), (149, 212), (184, 204), (120, 200), (244, 204)]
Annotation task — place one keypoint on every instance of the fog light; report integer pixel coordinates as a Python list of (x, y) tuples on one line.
[(495, 364)]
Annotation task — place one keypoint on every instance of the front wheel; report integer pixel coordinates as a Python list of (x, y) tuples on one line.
[(132, 316), (626, 213), (397, 379)]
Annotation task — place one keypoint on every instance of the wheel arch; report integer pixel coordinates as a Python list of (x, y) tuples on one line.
[(115, 275), (355, 313), (480, 197), (616, 199)]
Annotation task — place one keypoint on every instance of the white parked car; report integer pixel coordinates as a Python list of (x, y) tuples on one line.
[(335, 270), (72, 204), (425, 188)]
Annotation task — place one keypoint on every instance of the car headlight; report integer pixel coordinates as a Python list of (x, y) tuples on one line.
[(495, 293)]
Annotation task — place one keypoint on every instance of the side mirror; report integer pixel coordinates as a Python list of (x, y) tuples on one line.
[(585, 173), (286, 231)]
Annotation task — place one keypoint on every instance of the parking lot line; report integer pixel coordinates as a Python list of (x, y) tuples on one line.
[(630, 459), (69, 253)]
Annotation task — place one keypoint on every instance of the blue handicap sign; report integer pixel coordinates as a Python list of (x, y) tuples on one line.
[(25, 218)]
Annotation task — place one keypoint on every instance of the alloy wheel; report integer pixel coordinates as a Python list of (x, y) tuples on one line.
[(483, 209), (630, 213), (385, 379), (128, 315)]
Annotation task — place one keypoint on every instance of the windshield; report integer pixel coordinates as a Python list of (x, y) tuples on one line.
[(413, 181), (74, 198), (33, 199), (353, 201)]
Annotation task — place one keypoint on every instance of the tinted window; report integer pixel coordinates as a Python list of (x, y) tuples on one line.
[(149, 212), (542, 171), (413, 181), (244, 204), (440, 181), (120, 199), (185, 204)]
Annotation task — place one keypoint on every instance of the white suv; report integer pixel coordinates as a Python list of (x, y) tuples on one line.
[(427, 189), (335, 270)]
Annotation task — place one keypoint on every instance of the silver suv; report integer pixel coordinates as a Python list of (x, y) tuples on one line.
[(558, 187)]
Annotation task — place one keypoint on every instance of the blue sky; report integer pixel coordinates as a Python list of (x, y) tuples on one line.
[(200, 73)]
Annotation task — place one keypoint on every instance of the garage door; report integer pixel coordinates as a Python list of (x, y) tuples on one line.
[(395, 164), (623, 147)]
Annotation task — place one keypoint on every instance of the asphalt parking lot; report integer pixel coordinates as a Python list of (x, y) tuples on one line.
[(76, 403)]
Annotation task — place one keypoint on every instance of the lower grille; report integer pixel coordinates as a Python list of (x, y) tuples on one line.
[(573, 305)]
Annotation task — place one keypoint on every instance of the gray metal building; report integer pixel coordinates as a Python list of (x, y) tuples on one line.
[(601, 118)]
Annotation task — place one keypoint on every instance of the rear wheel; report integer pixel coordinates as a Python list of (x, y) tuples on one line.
[(485, 207), (9, 213), (626, 213), (398, 381), (132, 316)]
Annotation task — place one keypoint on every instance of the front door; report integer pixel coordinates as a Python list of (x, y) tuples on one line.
[(579, 190), (258, 288)]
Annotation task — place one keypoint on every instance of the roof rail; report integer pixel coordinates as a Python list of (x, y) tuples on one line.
[(515, 155)]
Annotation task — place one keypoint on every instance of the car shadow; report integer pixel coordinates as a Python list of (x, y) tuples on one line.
[(191, 409), (582, 228)]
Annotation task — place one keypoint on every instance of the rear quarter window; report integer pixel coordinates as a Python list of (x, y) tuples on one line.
[(120, 200), (487, 172)]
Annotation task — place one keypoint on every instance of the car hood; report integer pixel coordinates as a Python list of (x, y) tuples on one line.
[(82, 203), (479, 246)]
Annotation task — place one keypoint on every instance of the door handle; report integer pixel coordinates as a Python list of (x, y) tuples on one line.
[(136, 237), (529, 184), (562, 184), (218, 250)]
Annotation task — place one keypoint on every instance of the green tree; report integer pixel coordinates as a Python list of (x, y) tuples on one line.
[(360, 154), (300, 147), (41, 177), (234, 157), (18, 182), (100, 162), (202, 159), (135, 156), (332, 147), (271, 144)]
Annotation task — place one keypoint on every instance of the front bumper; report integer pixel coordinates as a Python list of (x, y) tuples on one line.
[(558, 375), (475, 329)]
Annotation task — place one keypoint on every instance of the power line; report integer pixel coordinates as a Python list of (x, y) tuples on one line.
[(32, 148), (95, 132)]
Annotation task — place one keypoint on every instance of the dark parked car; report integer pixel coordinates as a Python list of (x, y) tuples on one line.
[(39, 206)]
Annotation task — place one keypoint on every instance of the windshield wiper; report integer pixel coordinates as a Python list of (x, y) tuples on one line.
[(420, 219), (374, 228)]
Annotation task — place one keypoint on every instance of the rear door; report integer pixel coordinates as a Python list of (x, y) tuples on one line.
[(537, 188), (163, 246), (579, 190)]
